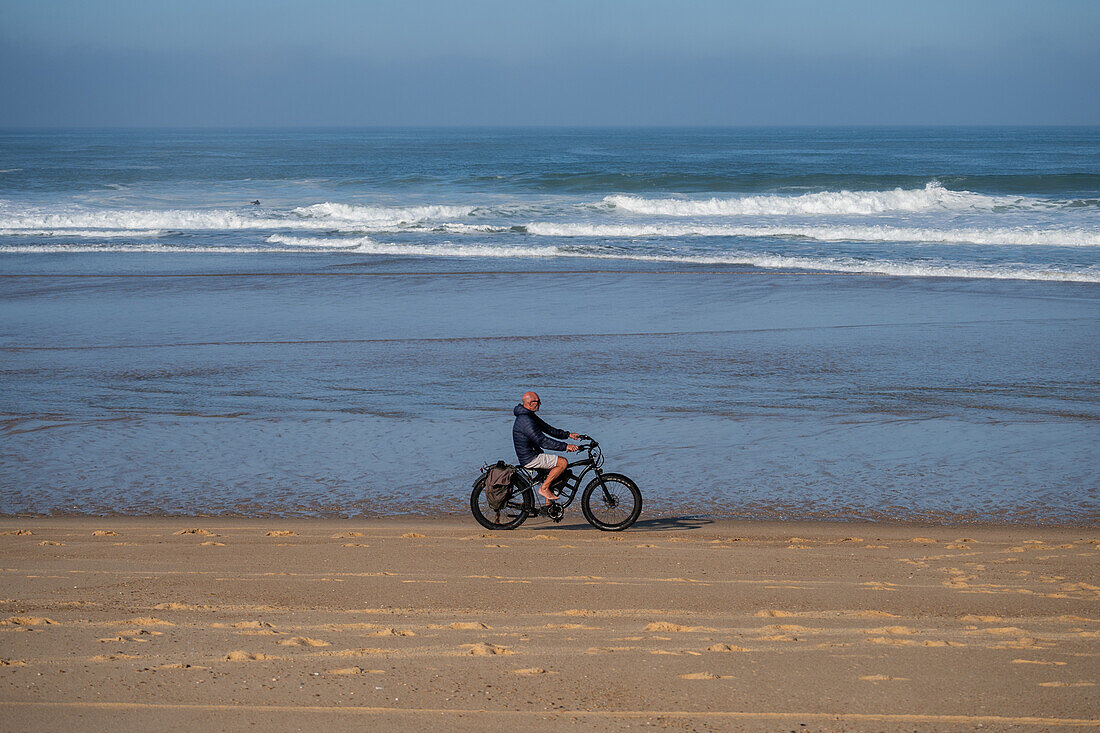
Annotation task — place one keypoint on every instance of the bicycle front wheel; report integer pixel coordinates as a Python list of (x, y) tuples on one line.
[(611, 502), (510, 516)]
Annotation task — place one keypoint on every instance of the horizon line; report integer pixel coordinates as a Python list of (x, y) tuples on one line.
[(788, 126)]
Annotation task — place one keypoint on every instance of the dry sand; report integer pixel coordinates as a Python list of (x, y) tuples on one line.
[(121, 624)]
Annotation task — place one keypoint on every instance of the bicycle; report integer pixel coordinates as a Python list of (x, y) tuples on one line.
[(610, 502)]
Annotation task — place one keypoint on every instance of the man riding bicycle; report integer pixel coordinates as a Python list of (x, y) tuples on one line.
[(531, 435)]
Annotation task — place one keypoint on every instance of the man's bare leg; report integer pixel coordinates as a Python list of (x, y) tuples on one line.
[(544, 490)]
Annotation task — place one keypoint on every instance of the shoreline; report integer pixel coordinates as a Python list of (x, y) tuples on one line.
[(647, 521), (406, 623)]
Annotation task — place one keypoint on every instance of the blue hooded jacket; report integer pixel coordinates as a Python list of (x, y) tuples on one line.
[(529, 435)]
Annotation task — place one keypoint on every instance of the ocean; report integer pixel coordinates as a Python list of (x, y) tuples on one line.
[(780, 323)]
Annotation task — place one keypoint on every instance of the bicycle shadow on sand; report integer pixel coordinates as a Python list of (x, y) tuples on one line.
[(656, 524)]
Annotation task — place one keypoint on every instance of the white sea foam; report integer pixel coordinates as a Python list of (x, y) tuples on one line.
[(351, 213), (132, 219), (366, 245), (318, 216), (1022, 236), (318, 242), (932, 197), (83, 233), (129, 248)]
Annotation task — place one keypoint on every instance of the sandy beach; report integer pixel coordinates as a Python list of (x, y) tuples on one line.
[(125, 623)]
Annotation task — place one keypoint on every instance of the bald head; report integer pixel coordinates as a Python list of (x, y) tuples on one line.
[(531, 401)]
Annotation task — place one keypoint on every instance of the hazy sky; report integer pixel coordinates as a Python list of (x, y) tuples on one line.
[(555, 62)]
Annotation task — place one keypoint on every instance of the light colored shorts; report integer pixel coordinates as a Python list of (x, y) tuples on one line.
[(544, 461)]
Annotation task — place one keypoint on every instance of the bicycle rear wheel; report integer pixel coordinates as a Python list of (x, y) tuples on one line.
[(510, 516), (612, 506)]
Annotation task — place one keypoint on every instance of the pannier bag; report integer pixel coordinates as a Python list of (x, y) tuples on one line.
[(498, 484)]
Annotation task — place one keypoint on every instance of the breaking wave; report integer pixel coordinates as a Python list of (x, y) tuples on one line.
[(17, 221), (841, 233), (85, 233), (932, 197)]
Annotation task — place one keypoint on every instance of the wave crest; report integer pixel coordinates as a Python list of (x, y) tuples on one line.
[(17, 221), (352, 213), (932, 196), (841, 233)]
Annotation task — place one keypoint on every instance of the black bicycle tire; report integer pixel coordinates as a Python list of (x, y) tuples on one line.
[(475, 509), (586, 499)]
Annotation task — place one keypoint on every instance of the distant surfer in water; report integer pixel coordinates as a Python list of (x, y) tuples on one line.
[(255, 203)]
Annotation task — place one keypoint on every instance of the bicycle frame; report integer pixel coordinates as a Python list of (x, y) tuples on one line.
[(567, 491)]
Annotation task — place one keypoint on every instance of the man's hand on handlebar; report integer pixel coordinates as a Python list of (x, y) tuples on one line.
[(572, 448), (574, 436)]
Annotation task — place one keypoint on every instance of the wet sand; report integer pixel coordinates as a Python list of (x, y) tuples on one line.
[(123, 623)]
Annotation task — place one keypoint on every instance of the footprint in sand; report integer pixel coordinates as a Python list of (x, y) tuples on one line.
[(240, 656), (867, 614), (50, 543), (785, 632), (12, 663), (209, 543), (347, 535), (482, 649), (282, 533), (570, 627), (894, 641), (768, 613), (303, 641), (354, 544), (347, 671), (883, 678), (1015, 630), (705, 676), (666, 626), (252, 625), (180, 665), (1024, 642), (144, 621), (389, 631), (196, 530), (113, 657), (104, 533), (17, 532), (28, 621), (531, 671), (467, 625), (895, 630), (924, 540), (413, 536), (543, 537), (360, 652), (1039, 662), (726, 648)]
